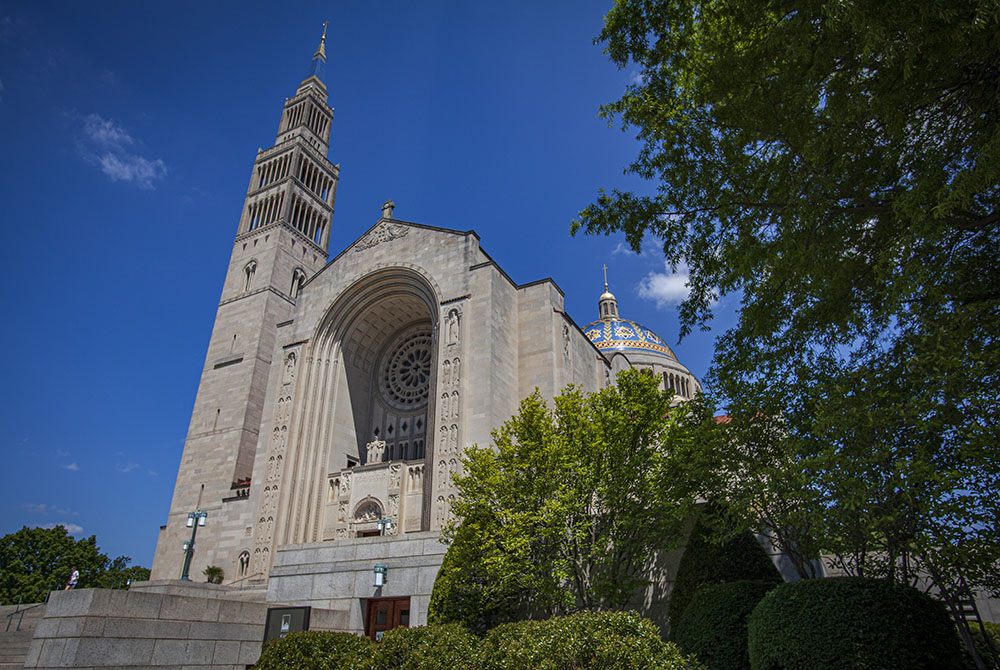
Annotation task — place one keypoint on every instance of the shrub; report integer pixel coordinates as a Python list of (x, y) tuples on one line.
[(214, 574), (849, 623), (707, 562), (314, 650), (599, 640), (714, 624), (444, 646), (982, 646)]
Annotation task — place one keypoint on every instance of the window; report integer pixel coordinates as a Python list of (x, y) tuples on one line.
[(298, 278), (243, 564), (248, 273)]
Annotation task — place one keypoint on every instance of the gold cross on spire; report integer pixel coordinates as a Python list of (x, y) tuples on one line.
[(605, 278), (321, 49)]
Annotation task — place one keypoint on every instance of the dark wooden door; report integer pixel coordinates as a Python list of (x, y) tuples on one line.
[(385, 614)]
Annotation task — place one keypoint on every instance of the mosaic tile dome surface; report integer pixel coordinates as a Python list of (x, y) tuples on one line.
[(623, 335)]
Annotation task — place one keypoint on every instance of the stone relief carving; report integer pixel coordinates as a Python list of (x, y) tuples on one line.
[(345, 484), (368, 510), (450, 412), (394, 509), (264, 533), (565, 335), (383, 232), (443, 440), (395, 475)]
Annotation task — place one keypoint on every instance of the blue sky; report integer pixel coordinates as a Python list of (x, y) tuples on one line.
[(128, 135)]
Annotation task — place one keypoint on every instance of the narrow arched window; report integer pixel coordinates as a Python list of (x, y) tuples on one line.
[(298, 278), (243, 563), (248, 273)]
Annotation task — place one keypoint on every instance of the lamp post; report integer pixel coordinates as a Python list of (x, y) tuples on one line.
[(195, 519), (384, 525)]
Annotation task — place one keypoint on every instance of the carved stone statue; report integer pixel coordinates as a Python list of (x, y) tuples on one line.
[(289, 369), (453, 323), (375, 448)]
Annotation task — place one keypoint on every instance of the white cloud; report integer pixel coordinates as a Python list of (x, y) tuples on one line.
[(106, 133), (73, 467), (42, 508), (128, 467), (71, 528), (131, 465), (111, 147), (667, 287), (623, 249), (130, 167)]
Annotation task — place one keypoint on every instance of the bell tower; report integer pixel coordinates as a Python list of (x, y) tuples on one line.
[(282, 240)]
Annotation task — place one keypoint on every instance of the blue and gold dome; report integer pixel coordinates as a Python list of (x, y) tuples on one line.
[(616, 334), (612, 333)]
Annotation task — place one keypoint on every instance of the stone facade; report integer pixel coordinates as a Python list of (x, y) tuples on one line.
[(338, 395)]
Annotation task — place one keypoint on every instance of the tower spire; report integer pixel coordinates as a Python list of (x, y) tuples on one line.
[(321, 49), (317, 69)]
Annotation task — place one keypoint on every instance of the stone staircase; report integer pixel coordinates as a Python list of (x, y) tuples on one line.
[(15, 639)]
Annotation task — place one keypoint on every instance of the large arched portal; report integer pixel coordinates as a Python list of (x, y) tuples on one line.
[(361, 427)]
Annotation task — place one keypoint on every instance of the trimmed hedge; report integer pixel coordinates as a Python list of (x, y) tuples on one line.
[(589, 640), (314, 650), (714, 624), (597, 640), (446, 646), (849, 623), (706, 562)]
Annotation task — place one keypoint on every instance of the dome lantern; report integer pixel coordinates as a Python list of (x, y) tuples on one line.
[(607, 305)]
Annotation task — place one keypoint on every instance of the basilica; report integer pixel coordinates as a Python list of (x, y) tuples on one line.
[(337, 396)]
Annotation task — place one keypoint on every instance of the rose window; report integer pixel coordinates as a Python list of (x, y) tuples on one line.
[(405, 373)]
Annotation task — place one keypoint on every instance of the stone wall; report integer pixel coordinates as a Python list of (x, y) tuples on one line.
[(338, 576), (101, 628), (161, 624)]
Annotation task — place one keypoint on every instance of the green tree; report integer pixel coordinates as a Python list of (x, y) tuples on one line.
[(34, 561), (570, 506), (836, 165)]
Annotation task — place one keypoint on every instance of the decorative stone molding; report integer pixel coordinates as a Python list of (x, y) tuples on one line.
[(383, 232), (448, 452), (278, 442)]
